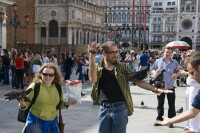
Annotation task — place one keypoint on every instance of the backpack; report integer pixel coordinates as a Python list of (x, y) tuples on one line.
[(22, 114)]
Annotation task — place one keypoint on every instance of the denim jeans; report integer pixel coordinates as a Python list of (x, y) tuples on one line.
[(35, 128), (80, 77), (171, 102), (6, 74), (113, 120)]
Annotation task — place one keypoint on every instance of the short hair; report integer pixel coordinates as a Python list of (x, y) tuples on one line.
[(106, 45), (169, 48), (195, 60)]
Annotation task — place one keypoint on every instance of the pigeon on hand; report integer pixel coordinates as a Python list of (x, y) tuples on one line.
[(18, 95), (142, 103), (158, 77), (179, 110)]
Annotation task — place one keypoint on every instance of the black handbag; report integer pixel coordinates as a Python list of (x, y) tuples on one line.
[(22, 115)]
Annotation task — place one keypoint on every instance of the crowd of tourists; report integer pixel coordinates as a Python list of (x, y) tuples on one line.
[(109, 68)]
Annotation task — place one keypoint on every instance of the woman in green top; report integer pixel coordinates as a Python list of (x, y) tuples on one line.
[(42, 117)]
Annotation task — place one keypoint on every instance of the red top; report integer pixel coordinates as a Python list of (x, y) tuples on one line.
[(19, 61)]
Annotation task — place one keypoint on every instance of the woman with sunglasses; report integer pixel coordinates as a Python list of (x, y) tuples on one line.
[(42, 117)]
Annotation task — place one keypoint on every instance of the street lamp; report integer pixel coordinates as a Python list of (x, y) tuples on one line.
[(15, 22)]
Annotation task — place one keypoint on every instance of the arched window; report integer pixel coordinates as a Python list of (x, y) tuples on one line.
[(53, 28), (110, 18), (114, 18), (119, 16), (128, 17), (123, 18)]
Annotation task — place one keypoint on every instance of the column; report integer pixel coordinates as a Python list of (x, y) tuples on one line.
[(69, 35), (59, 35), (47, 35), (178, 20), (37, 34)]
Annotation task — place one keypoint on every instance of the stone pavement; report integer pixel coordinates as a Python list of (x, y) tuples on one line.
[(82, 118)]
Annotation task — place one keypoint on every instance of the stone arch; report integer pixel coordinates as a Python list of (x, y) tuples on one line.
[(187, 40), (53, 28)]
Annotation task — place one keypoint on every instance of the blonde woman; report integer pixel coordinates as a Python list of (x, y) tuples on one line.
[(42, 117)]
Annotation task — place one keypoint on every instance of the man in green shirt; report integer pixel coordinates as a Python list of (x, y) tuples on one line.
[(111, 89)]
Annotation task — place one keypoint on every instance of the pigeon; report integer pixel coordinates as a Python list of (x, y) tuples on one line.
[(142, 103), (17, 95), (179, 110), (158, 77), (140, 75)]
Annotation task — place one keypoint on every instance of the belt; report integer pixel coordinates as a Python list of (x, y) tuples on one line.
[(112, 105)]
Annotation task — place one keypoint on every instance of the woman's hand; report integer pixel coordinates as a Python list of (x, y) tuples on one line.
[(70, 102), (22, 103)]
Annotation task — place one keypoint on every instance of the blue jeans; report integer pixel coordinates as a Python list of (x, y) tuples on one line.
[(35, 128), (80, 77), (113, 120), (5, 69)]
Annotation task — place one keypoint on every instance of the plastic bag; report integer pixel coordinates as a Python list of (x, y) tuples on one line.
[(72, 89)]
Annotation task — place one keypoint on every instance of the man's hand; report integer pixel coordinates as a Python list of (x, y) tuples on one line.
[(162, 90), (158, 71), (174, 75), (94, 48)]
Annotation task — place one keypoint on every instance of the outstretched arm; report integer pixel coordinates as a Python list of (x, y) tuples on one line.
[(180, 118), (149, 87)]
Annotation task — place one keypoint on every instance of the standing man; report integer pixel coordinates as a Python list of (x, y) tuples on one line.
[(111, 89), (143, 61), (171, 71), (194, 63)]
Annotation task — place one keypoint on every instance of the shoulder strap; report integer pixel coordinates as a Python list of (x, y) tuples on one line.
[(36, 92), (59, 92)]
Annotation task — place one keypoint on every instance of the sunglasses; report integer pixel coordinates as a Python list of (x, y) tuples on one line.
[(112, 52), (48, 74)]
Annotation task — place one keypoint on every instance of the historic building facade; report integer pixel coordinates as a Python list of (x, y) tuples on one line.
[(118, 20), (166, 21), (70, 23), (175, 20)]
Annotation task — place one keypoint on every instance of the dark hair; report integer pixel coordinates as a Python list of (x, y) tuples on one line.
[(195, 60), (105, 46), (5, 50)]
